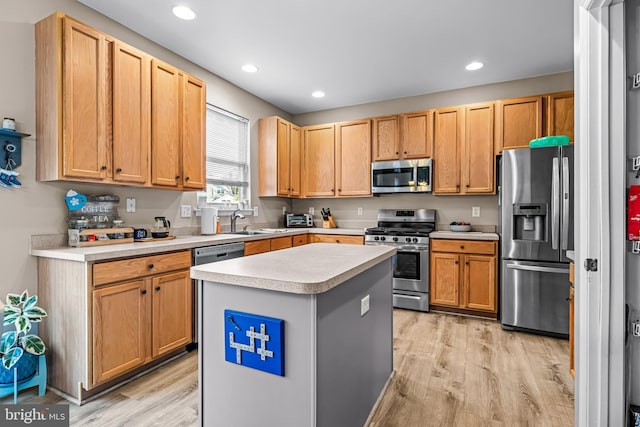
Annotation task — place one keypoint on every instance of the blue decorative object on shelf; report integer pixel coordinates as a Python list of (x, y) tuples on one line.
[(254, 341), (11, 148), (38, 379)]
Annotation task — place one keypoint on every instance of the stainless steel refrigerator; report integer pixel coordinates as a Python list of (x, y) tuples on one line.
[(536, 226)]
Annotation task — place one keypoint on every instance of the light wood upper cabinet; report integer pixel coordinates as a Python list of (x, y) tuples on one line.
[(353, 158), (386, 138), (319, 160), (100, 119), (560, 114), (416, 134), (478, 160), (518, 121), (131, 113), (449, 128), (280, 155)]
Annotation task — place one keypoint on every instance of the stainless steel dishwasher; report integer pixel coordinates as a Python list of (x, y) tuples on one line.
[(205, 256)]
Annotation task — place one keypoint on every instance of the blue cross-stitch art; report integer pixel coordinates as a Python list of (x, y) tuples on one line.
[(254, 341)]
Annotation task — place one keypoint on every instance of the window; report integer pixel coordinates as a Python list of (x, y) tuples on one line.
[(227, 158)]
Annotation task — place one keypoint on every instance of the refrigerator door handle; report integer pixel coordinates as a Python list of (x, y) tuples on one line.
[(564, 239), (555, 196), (538, 268)]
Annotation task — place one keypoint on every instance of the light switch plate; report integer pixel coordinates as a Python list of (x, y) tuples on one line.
[(364, 305), (359, 211), (255, 211), (131, 204), (312, 210), (475, 211), (185, 211)]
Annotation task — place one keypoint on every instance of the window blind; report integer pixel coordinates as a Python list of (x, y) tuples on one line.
[(227, 157)]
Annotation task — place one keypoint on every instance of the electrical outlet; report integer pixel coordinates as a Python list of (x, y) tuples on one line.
[(284, 210), (131, 204), (185, 211), (364, 305), (255, 211), (475, 211), (360, 211), (312, 210)]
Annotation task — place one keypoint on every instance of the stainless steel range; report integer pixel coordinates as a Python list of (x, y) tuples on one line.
[(408, 230)]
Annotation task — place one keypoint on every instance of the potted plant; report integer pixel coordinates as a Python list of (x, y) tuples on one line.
[(18, 348)]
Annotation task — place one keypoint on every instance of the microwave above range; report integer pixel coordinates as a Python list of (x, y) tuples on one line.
[(401, 176)]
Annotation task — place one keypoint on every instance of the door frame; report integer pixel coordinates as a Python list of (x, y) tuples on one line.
[(600, 166)]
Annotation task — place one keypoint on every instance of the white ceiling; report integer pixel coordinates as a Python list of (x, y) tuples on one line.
[(358, 51)]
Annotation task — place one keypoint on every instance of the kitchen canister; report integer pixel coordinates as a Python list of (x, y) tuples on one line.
[(208, 220)]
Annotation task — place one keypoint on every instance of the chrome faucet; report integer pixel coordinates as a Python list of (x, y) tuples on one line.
[(235, 215)]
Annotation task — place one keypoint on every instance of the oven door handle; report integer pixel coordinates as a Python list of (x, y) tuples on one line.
[(406, 296)]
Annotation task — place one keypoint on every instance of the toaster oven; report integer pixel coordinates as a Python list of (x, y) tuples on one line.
[(299, 220)]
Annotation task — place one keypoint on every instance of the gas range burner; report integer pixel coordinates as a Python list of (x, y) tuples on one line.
[(401, 232)]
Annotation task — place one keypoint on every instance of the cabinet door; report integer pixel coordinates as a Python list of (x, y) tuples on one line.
[(480, 285), (445, 279), (416, 137), (295, 160), (120, 329), (386, 138), (560, 114), (283, 242), (478, 164), (353, 158), (172, 312), (446, 155), (257, 247), (166, 128), (519, 120), (85, 102), (284, 155), (131, 114), (300, 239), (337, 238), (193, 133), (319, 161)]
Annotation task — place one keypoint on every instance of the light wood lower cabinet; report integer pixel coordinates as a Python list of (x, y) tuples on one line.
[(143, 318), (336, 238), (463, 275), (267, 245), (571, 319), (118, 318), (300, 239)]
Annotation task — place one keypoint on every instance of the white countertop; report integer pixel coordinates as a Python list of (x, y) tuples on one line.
[(464, 235), (101, 253), (318, 267)]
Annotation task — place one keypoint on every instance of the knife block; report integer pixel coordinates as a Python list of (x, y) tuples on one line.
[(330, 223)]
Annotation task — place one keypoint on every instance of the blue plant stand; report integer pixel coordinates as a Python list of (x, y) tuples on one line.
[(39, 379)]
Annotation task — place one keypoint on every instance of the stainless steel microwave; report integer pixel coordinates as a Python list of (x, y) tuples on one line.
[(401, 176)]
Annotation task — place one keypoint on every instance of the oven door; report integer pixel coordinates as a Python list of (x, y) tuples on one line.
[(411, 268)]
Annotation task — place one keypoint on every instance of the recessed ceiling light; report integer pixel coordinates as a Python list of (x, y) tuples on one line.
[(474, 66), (183, 12), (249, 68), (318, 94)]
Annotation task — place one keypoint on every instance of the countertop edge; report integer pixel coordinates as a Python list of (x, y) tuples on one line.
[(286, 286)]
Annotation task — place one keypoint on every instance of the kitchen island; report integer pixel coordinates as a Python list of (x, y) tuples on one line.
[(334, 350)]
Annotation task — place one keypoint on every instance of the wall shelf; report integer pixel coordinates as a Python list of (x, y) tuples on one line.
[(11, 148)]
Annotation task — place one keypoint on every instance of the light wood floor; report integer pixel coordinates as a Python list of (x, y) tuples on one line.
[(450, 371)]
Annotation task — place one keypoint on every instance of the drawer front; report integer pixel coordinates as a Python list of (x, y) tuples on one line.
[(464, 246), (338, 238), (133, 268), (281, 243), (300, 239), (257, 247)]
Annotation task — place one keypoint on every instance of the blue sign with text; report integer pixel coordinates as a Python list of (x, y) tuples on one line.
[(254, 341)]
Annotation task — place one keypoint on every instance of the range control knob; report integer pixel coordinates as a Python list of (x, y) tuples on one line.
[(415, 240), (408, 240), (376, 238), (383, 238), (395, 239)]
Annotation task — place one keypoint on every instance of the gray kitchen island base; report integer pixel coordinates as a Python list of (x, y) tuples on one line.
[(336, 362)]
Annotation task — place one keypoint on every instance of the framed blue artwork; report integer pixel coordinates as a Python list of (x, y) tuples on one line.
[(254, 341)]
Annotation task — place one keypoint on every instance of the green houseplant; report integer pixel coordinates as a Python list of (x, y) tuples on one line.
[(21, 311)]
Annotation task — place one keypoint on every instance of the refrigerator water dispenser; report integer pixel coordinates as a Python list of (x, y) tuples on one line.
[(530, 221)]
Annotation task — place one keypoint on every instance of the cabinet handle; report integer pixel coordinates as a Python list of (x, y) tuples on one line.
[(150, 266), (339, 190), (143, 292), (461, 246), (397, 152), (337, 241), (332, 190), (119, 170), (157, 288), (104, 168), (466, 263), (405, 152), (456, 262), (177, 176), (186, 178)]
